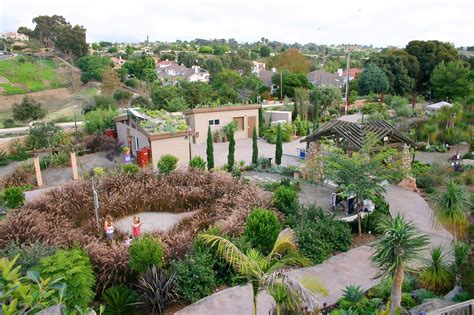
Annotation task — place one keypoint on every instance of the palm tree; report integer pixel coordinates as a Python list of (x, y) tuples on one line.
[(437, 276), (395, 251), (451, 207), (264, 272)]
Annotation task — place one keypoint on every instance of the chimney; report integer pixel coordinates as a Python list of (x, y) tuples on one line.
[(339, 72)]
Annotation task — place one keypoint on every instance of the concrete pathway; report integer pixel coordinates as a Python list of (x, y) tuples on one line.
[(353, 267)]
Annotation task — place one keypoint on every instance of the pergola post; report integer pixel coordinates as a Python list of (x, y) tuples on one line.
[(75, 174), (36, 163)]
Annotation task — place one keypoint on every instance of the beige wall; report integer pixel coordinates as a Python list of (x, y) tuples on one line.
[(276, 115), (199, 122), (123, 136), (177, 146)]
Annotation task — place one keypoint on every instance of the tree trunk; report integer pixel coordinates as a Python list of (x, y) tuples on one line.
[(255, 287), (382, 97), (413, 101), (278, 309), (397, 289)]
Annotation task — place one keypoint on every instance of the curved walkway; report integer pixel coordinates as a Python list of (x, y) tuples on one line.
[(353, 267)]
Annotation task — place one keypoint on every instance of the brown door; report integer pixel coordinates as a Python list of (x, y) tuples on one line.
[(251, 124)]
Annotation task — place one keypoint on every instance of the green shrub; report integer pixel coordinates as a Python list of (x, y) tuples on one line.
[(261, 229), (419, 168), (195, 277), (14, 197), (464, 296), (408, 301), (310, 245), (224, 273), (285, 199), (167, 163), (76, 269), (429, 181), (198, 162), (59, 159), (129, 168), (97, 121), (29, 255), (423, 294), (286, 133), (99, 171), (119, 300), (146, 252)]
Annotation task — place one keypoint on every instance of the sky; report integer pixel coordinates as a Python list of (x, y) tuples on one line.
[(372, 22)]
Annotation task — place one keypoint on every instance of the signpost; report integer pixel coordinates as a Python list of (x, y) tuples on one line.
[(96, 205)]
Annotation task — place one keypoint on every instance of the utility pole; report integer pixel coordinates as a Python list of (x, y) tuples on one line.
[(347, 79)]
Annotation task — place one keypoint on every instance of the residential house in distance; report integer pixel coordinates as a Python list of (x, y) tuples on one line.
[(257, 67), (171, 74), (162, 132), (118, 62), (161, 64), (266, 77), (324, 78), (200, 119), (353, 72), (15, 36)]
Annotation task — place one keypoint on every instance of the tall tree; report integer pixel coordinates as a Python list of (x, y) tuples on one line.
[(210, 150), (393, 66), (231, 154), (323, 97), (451, 80), (278, 146), (254, 147), (451, 209), (301, 103), (290, 81), (263, 272), (399, 246), (29, 109), (292, 60), (429, 54), (110, 81), (373, 80), (261, 122)]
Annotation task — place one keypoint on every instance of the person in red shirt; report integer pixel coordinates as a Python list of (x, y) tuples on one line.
[(136, 226)]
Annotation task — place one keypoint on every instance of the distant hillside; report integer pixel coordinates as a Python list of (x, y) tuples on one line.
[(27, 74)]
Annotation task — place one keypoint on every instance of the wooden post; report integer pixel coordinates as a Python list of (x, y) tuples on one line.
[(36, 162), (75, 174)]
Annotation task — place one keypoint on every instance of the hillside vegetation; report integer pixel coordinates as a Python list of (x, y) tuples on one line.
[(26, 74)]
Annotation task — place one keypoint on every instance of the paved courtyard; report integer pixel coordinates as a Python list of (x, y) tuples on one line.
[(243, 151)]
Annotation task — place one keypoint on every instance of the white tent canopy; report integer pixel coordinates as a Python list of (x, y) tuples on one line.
[(437, 106)]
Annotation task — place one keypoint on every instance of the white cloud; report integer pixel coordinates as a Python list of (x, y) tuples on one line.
[(327, 22)]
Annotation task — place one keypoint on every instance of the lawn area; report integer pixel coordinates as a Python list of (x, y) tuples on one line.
[(33, 75)]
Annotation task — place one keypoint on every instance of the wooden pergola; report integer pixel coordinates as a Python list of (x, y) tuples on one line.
[(352, 136)]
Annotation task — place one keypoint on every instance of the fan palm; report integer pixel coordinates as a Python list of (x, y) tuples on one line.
[(437, 276), (451, 207), (264, 272), (399, 246)]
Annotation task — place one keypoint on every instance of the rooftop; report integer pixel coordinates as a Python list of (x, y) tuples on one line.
[(156, 122)]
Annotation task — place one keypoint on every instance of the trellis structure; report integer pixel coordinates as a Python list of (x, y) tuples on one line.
[(352, 136)]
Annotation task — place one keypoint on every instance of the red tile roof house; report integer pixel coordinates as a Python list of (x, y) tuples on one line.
[(353, 72), (118, 62)]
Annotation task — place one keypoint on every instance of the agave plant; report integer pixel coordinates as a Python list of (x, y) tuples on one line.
[(157, 289), (264, 272), (437, 275), (353, 293), (120, 300)]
